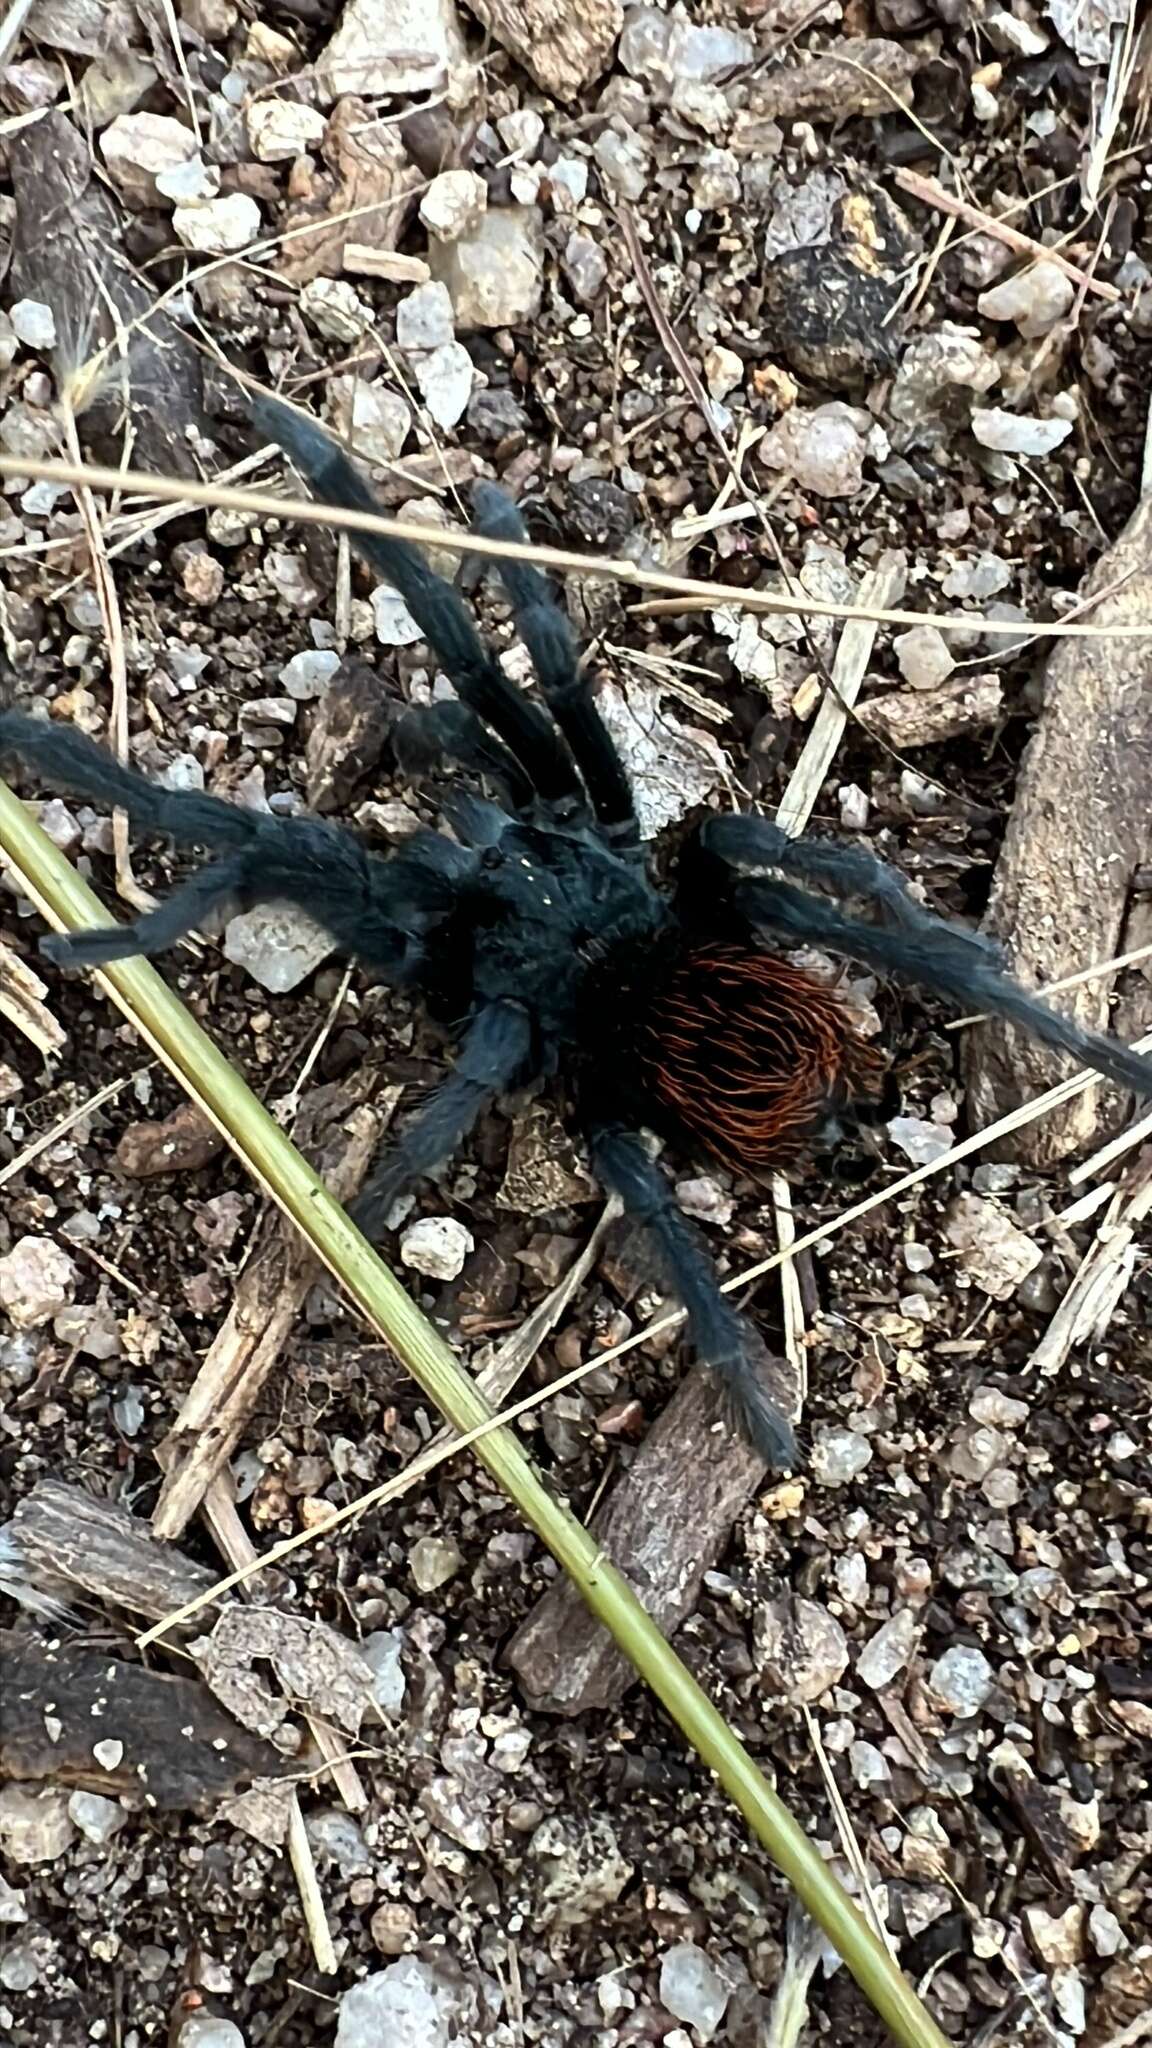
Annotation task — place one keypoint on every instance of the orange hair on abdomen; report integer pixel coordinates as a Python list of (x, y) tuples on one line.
[(752, 1055)]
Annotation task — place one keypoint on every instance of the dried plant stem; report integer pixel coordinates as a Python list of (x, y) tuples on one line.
[(693, 593), (931, 193)]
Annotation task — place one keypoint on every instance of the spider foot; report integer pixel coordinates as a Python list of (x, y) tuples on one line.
[(93, 948), (756, 1383)]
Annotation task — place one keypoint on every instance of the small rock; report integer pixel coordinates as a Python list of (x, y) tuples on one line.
[(1017, 433), (437, 1246), (376, 420), (933, 365), (1104, 1932), (976, 1451), (37, 1280), (494, 274), (801, 1649), (208, 2030), (33, 323), (568, 183), (919, 1140), (433, 1560), (962, 1680), (445, 378), (994, 1253), (453, 204), (381, 1652), (991, 1405), (1058, 1938), (869, 1766), (584, 1869), (585, 266), (12, 1909), (822, 450), (390, 48), (308, 673), (692, 1989), (115, 84), (705, 1199), (977, 578), (201, 575), (723, 371), (906, 719), (716, 182), (1013, 36), (337, 1839), (522, 131), (279, 130), (424, 318), (623, 159), (924, 657), (334, 307), (1034, 300), (1069, 1999), (97, 1818), (854, 806), (393, 1927), (839, 1456), (184, 1142), (136, 148), (392, 621), (35, 1827), (220, 226), (277, 944), (888, 1651)]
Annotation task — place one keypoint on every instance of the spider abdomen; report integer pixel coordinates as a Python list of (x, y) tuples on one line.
[(751, 1055)]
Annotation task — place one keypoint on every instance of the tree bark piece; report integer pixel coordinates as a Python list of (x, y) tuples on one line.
[(665, 1525), (1081, 825), (563, 44), (93, 1722), (66, 1539)]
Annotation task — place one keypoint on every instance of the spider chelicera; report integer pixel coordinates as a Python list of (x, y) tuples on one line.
[(537, 935)]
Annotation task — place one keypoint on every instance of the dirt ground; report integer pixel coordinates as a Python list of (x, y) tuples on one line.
[(731, 291)]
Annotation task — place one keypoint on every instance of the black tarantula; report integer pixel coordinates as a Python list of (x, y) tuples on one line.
[(538, 937)]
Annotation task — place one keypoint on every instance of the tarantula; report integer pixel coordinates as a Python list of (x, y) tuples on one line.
[(537, 935)]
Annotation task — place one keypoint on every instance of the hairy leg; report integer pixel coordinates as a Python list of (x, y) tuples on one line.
[(724, 1339), (375, 909), (548, 638), (496, 1051), (938, 956), (187, 907), (430, 733), (436, 607)]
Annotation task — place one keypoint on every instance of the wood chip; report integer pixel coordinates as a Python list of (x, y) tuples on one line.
[(664, 1527), (22, 1001), (161, 1737)]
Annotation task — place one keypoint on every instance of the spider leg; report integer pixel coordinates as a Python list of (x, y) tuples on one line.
[(436, 607), (918, 948), (548, 637), (722, 1337), (428, 733), (495, 1051), (186, 908), (375, 910), (747, 841)]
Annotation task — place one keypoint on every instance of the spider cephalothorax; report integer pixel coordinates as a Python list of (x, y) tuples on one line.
[(537, 934)]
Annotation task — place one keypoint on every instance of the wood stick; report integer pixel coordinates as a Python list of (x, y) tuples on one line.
[(931, 193)]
